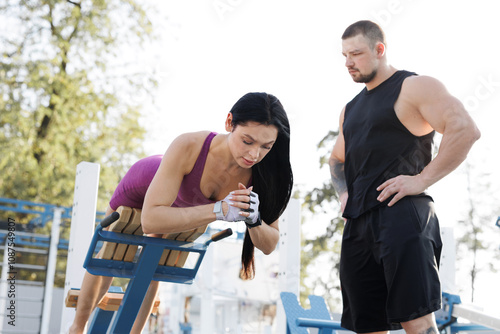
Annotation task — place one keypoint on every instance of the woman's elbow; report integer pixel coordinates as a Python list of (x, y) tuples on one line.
[(267, 250), (146, 220)]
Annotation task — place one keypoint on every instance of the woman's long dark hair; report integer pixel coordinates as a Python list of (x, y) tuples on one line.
[(272, 178)]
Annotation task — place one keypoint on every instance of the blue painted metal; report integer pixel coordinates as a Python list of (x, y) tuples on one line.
[(114, 268), (33, 241), (100, 322), (137, 288), (299, 319), (185, 328), (140, 272), (445, 318), (44, 212)]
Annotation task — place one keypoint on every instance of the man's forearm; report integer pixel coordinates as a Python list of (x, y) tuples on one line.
[(338, 176), (452, 152)]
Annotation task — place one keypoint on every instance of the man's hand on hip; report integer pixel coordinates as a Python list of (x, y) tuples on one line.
[(400, 186)]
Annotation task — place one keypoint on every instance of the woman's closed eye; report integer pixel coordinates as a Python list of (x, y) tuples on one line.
[(267, 147)]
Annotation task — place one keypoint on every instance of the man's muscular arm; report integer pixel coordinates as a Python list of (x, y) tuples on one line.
[(337, 163), (445, 114)]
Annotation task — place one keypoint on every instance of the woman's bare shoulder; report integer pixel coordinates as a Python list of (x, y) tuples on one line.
[(184, 149)]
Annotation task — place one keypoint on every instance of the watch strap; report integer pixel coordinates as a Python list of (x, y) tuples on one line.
[(219, 214), (257, 223)]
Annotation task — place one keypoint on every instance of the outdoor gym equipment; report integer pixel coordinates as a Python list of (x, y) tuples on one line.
[(299, 319), (160, 259)]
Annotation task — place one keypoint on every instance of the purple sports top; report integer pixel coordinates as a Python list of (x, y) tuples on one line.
[(132, 188)]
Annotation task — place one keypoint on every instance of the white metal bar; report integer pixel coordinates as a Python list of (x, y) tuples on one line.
[(289, 252), (475, 316), (207, 316), (51, 271), (447, 262), (29, 266), (82, 229), (28, 250)]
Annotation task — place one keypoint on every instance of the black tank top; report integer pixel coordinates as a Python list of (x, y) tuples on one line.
[(378, 146)]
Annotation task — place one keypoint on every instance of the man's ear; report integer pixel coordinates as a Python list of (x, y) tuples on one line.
[(380, 48)]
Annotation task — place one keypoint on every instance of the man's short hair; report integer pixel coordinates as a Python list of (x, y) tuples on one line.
[(368, 29)]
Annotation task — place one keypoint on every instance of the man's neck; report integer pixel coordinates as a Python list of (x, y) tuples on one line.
[(384, 73)]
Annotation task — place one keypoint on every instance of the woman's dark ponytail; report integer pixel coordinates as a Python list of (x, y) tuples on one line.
[(272, 178)]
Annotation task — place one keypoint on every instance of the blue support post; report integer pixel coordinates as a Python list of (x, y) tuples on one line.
[(299, 319), (186, 328), (142, 272), (100, 322), (137, 288)]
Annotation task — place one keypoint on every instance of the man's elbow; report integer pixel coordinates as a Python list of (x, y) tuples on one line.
[(472, 133), (332, 162), (476, 134)]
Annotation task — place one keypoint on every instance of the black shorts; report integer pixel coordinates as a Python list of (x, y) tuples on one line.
[(389, 266)]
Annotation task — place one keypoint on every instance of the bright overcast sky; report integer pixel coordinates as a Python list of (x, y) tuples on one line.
[(213, 52)]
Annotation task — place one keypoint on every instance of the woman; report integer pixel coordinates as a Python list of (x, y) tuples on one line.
[(244, 175)]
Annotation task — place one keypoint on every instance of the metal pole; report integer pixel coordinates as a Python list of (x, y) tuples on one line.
[(289, 250), (207, 312), (82, 229), (51, 271)]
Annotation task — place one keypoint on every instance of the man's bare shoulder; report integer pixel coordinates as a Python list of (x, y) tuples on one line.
[(421, 86)]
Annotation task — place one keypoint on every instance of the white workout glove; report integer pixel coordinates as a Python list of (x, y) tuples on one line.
[(232, 215), (254, 218)]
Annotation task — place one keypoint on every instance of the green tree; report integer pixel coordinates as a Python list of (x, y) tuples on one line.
[(70, 93), (324, 248), (477, 251)]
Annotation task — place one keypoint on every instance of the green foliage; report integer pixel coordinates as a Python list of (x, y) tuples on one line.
[(71, 91), (66, 95), (477, 250), (322, 249)]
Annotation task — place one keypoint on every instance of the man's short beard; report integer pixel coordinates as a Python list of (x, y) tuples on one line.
[(366, 77)]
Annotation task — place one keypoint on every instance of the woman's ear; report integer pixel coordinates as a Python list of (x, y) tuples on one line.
[(229, 122)]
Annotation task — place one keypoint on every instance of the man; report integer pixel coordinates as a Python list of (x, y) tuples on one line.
[(381, 164)]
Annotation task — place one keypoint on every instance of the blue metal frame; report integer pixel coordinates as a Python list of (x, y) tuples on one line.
[(445, 318), (185, 328), (299, 319), (44, 214), (102, 318), (141, 272), (115, 268), (34, 241), (318, 316)]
